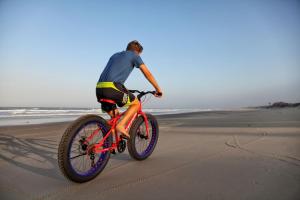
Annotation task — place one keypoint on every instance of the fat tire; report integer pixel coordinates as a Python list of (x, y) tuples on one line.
[(133, 131), (63, 149)]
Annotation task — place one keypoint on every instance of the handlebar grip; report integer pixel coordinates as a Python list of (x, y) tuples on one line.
[(158, 93)]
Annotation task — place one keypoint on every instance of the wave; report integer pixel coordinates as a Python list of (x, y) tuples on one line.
[(36, 112), (174, 111), (18, 116)]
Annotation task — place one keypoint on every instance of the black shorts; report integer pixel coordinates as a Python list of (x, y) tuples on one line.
[(116, 92)]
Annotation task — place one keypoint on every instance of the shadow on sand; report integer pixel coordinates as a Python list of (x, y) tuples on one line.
[(36, 155)]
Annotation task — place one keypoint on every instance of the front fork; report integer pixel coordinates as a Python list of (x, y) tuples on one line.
[(147, 126), (145, 120)]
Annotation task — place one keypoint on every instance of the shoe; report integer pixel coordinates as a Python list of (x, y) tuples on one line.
[(125, 137), (112, 151)]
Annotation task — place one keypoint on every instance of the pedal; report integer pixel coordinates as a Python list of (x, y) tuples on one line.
[(124, 137), (112, 151)]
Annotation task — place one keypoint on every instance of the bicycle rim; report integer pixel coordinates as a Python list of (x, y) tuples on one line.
[(80, 162), (145, 145)]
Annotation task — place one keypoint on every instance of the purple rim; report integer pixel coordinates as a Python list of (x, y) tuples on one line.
[(152, 142), (101, 159)]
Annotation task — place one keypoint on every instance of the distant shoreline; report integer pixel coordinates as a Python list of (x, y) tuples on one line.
[(272, 112), (33, 118), (281, 105)]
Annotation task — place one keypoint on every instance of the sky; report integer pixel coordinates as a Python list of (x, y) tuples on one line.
[(204, 54)]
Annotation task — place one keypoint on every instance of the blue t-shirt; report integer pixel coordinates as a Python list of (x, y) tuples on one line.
[(119, 67)]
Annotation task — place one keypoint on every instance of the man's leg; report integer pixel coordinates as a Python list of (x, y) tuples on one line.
[(133, 108), (113, 113)]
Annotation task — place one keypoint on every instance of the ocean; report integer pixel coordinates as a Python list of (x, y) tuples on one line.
[(39, 115)]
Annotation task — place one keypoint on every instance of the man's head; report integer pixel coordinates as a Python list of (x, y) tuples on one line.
[(134, 46)]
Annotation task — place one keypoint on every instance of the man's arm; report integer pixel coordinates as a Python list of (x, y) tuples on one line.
[(150, 78)]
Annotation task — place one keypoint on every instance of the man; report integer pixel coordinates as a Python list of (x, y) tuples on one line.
[(111, 83)]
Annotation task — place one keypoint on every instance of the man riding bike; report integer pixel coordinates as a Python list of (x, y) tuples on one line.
[(111, 84)]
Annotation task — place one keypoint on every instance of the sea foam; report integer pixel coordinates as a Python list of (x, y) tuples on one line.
[(38, 115)]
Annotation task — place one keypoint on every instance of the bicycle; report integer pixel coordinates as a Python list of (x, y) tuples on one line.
[(90, 139)]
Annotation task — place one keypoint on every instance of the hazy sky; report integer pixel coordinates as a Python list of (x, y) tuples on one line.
[(204, 54)]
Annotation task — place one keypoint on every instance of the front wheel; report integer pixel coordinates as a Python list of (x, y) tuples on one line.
[(140, 146)]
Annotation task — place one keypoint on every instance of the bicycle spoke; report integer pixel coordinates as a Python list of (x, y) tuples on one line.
[(78, 156), (141, 142), (75, 151), (81, 163)]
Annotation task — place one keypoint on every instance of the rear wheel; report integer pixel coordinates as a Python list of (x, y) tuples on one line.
[(74, 160), (140, 146)]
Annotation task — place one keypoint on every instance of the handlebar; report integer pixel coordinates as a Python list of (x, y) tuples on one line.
[(142, 93)]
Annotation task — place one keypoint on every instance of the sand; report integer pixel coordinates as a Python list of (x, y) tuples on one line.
[(224, 155)]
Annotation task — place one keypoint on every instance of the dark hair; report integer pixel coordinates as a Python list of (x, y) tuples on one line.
[(134, 46)]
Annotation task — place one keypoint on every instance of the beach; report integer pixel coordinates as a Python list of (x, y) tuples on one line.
[(243, 154)]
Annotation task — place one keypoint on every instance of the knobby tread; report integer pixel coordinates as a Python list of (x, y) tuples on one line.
[(133, 130), (65, 141)]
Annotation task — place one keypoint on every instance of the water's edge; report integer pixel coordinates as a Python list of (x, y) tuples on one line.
[(27, 116)]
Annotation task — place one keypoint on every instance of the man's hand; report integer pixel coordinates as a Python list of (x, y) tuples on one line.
[(158, 94)]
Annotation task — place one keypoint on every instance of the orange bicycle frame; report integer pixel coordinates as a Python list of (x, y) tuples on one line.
[(98, 147)]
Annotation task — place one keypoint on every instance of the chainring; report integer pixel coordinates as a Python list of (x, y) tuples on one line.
[(121, 146)]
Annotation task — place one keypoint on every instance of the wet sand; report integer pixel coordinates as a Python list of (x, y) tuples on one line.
[(207, 155)]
